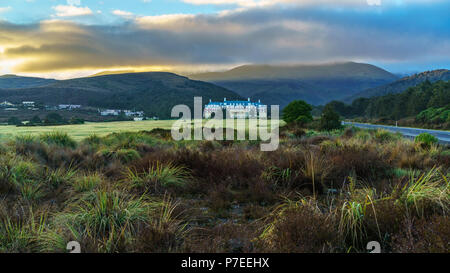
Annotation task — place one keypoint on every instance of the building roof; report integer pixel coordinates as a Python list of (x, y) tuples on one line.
[(231, 102)]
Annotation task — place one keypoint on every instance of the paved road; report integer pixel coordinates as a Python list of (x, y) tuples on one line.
[(443, 136)]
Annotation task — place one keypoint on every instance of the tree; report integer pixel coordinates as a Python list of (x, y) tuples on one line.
[(297, 111), (75, 120), (35, 120), (14, 121), (54, 118), (330, 119)]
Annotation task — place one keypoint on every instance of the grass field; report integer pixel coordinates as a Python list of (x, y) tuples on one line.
[(80, 131)]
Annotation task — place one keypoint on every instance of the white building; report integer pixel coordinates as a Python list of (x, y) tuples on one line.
[(130, 113), (28, 103), (68, 106), (236, 109), (110, 112)]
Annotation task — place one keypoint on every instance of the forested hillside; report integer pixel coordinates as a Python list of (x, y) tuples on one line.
[(427, 103)]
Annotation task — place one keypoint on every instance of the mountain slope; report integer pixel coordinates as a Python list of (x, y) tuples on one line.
[(13, 81), (316, 84), (403, 84), (153, 92)]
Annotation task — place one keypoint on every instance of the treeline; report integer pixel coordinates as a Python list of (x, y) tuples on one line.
[(426, 102), (50, 119)]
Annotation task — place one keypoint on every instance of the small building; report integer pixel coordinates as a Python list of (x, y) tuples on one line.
[(130, 113), (28, 103), (110, 112), (68, 106)]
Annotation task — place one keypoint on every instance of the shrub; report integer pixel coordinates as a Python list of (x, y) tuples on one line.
[(426, 139), (385, 136), (330, 119)]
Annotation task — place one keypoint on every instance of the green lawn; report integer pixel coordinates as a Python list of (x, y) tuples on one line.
[(81, 131)]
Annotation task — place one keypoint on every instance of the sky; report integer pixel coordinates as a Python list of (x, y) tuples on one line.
[(72, 38)]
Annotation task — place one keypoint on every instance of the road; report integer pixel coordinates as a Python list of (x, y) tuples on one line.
[(443, 136)]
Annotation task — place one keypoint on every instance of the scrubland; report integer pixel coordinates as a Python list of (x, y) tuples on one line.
[(144, 192)]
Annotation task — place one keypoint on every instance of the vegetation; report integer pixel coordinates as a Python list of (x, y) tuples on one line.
[(297, 111), (143, 192), (14, 121), (425, 105), (330, 119), (426, 138), (121, 91)]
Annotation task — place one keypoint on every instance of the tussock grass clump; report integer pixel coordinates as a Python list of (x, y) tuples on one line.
[(59, 139), (25, 175), (87, 182), (167, 230), (110, 219), (431, 190), (127, 155), (159, 176), (102, 212), (299, 226), (60, 176), (21, 235)]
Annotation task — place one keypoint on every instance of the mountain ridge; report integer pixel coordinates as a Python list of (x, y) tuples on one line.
[(316, 84), (153, 92)]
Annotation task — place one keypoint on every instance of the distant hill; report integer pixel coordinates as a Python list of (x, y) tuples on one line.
[(153, 92), (13, 81), (316, 84), (112, 72), (403, 84)]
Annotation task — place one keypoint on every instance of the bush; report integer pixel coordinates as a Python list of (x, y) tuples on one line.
[(385, 136), (297, 110), (426, 138), (330, 119)]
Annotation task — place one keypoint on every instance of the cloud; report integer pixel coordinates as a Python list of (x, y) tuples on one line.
[(122, 13), (257, 35), (73, 2), (71, 11), (374, 2), (340, 3), (4, 9)]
